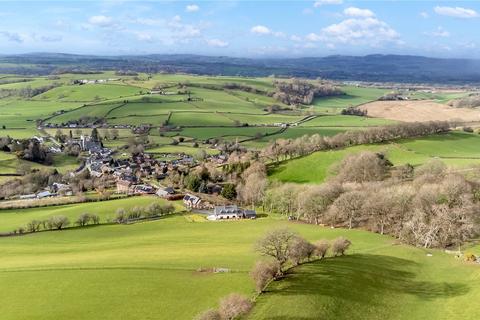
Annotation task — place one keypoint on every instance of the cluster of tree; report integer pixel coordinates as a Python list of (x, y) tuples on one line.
[(288, 248), (32, 182), (243, 87), (53, 223), (125, 73), (429, 206), (303, 92), (231, 307), (198, 179), (136, 145), (30, 150), (354, 111), (252, 184), (136, 213), (283, 149), (83, 182), (29, 92), (471, 101)]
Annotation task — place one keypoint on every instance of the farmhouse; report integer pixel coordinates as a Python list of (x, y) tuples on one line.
[(231, 212), (192, 202)]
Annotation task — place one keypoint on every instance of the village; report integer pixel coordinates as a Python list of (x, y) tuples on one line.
[(142, 174)]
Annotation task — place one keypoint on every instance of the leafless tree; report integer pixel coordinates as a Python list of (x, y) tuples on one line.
[(277, 244), (340, 245), (233, 306), (321, 248), (263, 272)]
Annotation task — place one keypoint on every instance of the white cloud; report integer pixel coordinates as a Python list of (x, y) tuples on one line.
[(100, 21), (217, 43), (439, 32), (192, 8), (260, 30), (320, 3), (357, 31), (144, 36), (457, 12), (424, 15), (295, 38), (357, 12)]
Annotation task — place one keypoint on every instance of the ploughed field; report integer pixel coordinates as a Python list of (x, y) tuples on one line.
[(161, 270)]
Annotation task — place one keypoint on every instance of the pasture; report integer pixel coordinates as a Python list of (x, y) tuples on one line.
[(152, 270), (457, 149)]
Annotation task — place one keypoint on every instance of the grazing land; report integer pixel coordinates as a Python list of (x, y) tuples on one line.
[(149, 270), (457, 149)]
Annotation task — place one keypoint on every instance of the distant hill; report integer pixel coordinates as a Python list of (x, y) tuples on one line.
[(381, 68)]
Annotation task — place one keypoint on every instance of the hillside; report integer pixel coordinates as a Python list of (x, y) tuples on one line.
[(380, 68)]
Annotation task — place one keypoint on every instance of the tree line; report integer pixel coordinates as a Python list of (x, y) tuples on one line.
[(284, 149)]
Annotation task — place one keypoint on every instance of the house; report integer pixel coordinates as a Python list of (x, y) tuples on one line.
[(165, 192), (143, 189), (191, 201), (231, 212)]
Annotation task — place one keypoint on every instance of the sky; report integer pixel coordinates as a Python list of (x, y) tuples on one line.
[(242, 28)]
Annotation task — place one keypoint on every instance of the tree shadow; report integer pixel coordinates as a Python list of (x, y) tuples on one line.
[(360, 284)]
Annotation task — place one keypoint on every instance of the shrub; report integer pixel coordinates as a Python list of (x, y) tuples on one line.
[(321, 248), (233, 306), (83, 219), (33, 226), (121, 216), (340, 245), (263, 272), (300, 250), (95, 219), (58, 222)]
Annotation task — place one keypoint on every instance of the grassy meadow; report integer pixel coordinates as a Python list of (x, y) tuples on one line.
[(456, 149), (151, 270)]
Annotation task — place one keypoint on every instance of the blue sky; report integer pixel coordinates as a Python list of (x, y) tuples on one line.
[(242, 28)]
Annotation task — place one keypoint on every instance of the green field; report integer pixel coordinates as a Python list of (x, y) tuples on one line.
[(149, 271), (457, 149), (353, 96), (198, 105)]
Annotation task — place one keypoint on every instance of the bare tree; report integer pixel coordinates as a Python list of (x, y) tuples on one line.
[(348, 206), (233, 306), (321, 248), (300, 250), (364, 166), (340, 245), (83, 219), (263, 272), (58, 222), (277, 244)]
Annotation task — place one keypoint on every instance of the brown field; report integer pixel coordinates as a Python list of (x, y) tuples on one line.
[(424, 110)]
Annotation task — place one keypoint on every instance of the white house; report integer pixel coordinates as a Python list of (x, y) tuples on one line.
[(231, 212)]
